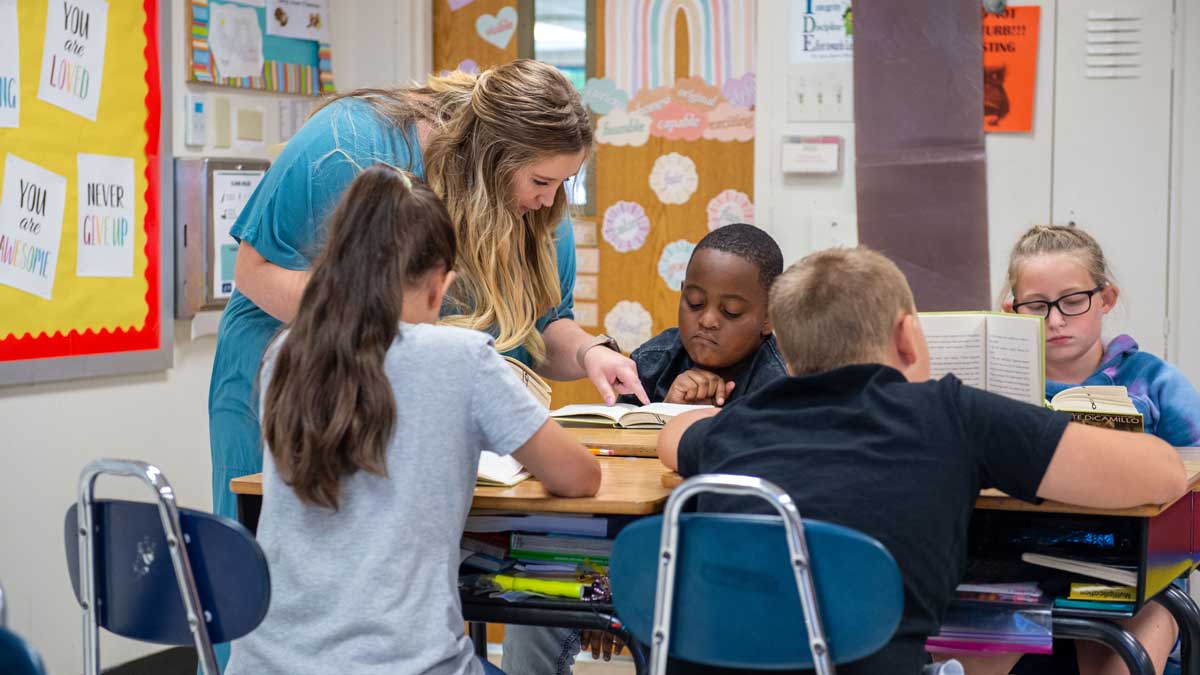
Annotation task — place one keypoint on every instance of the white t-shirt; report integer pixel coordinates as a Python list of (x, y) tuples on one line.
[(373, 586)]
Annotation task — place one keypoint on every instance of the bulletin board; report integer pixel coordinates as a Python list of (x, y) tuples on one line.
[(471, 35), (83, 158), (288, 65)]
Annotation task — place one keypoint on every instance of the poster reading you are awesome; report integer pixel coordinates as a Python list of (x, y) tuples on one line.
[(31, 219), (73, 55)]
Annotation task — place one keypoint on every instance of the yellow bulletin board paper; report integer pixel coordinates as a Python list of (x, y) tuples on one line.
[(88, 313)]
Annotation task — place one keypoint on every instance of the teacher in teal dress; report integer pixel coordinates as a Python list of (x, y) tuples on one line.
[(497, 148)]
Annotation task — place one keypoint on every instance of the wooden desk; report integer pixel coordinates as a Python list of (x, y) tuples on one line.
[(1160, 540), (628, 487), (623, 442), (995, 500)]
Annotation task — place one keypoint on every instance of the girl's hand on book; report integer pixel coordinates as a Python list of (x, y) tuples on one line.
[(698, 387), (600, 642)]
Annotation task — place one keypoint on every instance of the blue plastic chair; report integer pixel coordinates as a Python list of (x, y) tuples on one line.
[(158, 573), (718, 589), (16, 656)]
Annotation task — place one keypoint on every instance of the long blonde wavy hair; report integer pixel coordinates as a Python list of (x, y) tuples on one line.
[(485, 128)]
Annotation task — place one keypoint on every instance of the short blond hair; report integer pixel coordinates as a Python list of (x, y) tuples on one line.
[(837, 307)]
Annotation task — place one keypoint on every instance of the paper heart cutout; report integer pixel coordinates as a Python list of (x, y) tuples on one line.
[(498, 29)]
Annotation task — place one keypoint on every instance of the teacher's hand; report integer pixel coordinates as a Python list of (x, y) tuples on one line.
[(613, 374)]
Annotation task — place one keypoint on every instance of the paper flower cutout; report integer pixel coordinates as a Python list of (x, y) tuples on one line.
[(629, 323), (672, 264), (674, 178), (626, 226), (728, 207)]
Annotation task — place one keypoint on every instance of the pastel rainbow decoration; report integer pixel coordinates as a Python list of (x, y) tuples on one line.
[(640, 41)]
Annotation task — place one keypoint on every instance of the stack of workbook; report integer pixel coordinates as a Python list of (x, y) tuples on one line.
[(543, 545), (1094, 586), (1006, 354)]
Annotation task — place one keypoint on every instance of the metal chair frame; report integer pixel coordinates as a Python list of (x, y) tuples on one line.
[(168, 511), (743, 486)]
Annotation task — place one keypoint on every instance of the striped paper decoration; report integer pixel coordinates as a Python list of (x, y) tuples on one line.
[(287, 78)]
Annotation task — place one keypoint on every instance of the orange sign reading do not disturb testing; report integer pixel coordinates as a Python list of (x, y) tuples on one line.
[(1010, 45)]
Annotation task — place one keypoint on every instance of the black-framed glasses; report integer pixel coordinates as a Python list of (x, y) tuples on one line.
[(1071, 304)]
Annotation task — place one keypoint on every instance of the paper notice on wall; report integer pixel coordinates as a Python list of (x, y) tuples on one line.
[(1010, 46), (106, 225), (10, 66), (31, 219), (300, 19), (73, 55), (230, 192), (235, 40), (822, 31)]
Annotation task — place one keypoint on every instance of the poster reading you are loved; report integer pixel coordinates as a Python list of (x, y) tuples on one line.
[(73, 55), (31, 219)]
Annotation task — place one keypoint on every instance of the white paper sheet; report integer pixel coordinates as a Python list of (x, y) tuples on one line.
[(73, 55), (231, 190), (300, 19), (10, 66), (235, 40), (106, 216), (31, 219)]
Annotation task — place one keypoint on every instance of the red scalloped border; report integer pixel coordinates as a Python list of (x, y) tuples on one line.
[(120, 340)]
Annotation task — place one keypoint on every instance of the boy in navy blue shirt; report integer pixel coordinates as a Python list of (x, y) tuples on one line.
[(858, 435), (723, 348)]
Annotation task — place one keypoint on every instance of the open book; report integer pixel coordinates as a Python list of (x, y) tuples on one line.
[(1000, 353), (1118, 575), (622, 415), (506, 470), (501, 470), (1099, 406), (1006, 354), (532, 381)]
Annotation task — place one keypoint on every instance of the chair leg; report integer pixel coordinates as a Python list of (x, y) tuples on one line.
[(1187, 615), (478, 632), (1116, 638)]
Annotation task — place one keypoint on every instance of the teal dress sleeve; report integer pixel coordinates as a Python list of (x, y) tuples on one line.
[(285, 218)]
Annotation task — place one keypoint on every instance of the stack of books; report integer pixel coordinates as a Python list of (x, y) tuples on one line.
[(1008, 617), (538, 546)]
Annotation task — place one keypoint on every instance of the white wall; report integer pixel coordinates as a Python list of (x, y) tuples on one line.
[(1040, 178), (52, 430)]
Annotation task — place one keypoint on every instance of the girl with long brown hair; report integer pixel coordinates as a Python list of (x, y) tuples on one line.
[(373, 419), (497, 148)]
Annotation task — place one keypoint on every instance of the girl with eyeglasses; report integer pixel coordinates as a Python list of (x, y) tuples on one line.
[(1060, 273)]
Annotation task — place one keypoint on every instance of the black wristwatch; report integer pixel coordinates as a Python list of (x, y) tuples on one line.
[(598, 341)]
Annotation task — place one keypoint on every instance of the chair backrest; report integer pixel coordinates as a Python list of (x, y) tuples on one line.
[(17, 657), (736, 589), (137, 591)]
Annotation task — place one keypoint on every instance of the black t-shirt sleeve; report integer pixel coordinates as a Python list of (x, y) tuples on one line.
[(1013, 442), (691, 446)]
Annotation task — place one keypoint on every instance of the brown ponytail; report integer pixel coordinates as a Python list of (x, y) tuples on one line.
[(329, 409)]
